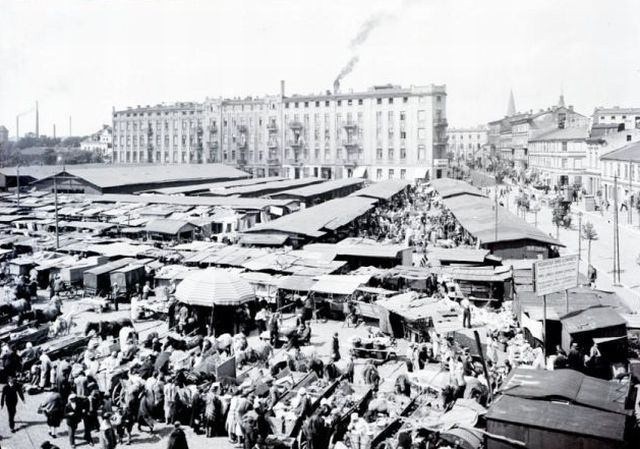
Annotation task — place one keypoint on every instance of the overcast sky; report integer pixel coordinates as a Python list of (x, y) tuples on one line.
[(80, 58)]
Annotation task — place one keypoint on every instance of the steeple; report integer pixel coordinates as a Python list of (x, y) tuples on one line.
[(561, 100), (511, 108)]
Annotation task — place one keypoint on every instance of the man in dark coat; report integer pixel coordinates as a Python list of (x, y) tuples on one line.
[(10, 394), (177, 438), (73, 414)]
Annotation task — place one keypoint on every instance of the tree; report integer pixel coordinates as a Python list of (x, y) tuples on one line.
[(589, 234)]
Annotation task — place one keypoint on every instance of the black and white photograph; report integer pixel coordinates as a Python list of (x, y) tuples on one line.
[(319, 224)]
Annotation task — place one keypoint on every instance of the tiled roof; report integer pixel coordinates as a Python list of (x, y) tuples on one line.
[(571, 133), (628, 153)]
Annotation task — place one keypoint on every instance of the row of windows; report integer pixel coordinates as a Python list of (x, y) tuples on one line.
[(151, 113), (391, 173)]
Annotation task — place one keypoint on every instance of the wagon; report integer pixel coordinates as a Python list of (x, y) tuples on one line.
[(382, 349), (97, 281), (127, 277)]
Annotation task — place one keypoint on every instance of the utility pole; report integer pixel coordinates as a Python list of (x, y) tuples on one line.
[(630, 214), (579, 251), (496, 207), (616, 238), (18, 184), (55, 199)]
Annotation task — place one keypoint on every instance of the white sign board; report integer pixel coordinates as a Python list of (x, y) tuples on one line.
[(556, 275)]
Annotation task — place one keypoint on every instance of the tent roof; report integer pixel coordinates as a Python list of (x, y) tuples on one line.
[(214, 286)]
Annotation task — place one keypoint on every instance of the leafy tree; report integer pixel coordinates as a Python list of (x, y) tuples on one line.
[(589, 234)]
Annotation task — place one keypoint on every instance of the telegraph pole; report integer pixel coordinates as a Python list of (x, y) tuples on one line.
[(496, 207), (616, 237), (55, 199), (630, 214)]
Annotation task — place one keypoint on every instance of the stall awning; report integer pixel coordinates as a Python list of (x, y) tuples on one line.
[(420, 172), (360, 172), (339, 284), (296, 283)]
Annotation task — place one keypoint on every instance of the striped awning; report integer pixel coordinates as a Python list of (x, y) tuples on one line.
[(214, 287)]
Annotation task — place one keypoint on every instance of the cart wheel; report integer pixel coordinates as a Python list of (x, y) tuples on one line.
[(117, 395)]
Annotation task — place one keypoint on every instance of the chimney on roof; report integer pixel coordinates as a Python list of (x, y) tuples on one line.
[(571, 107)]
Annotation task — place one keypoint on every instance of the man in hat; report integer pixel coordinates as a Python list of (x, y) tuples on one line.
[(115, 291), (10, 394)]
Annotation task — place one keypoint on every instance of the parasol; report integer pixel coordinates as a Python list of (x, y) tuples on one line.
[(214, 286)]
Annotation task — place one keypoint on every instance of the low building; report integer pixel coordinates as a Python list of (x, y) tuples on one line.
[(604, 139), (129, 179), (625, 118), (100, 142)]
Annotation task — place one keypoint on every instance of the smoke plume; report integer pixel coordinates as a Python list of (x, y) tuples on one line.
[(365, 30)]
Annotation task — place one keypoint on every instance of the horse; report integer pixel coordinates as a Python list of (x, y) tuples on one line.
[(107, 328), (62, 325), (259, 353)]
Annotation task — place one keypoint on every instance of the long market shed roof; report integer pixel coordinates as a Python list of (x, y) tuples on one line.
[(318, 189), (383, 190), (316, 221)]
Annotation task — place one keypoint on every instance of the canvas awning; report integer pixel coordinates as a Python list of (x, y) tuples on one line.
[(339, 284), (420, 172), (360, 172), (296, 283), (214, 286)]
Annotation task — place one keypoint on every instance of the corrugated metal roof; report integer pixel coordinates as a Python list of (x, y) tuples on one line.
[(447, 187), (314, 221), (168, 226), (318, 189), (558, 417), (263, 239), (234, 203), (107, 175), (203, 187), (477, 216), (591, 319)]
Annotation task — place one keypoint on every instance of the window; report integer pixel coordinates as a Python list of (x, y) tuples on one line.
[(405, 99), (403, 116), (359, 101), (438, 99), (379, 153), (391, 173), (339, 102), (422, 134), (286, 106), (378, 100), (403, 173), (390, 100), (306, 104), (390, 154), (296, 104), (403, 153), (326, 103), (564, 147), (422, 115), (317, 104), (349, 102), (379, 174)]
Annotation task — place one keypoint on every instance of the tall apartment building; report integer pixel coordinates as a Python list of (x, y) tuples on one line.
[(384, 133), (165, 133)]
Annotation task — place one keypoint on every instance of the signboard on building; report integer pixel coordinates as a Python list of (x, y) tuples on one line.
[(556, 275)]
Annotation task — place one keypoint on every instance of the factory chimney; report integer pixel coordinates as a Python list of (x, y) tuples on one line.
[(70, 127), (37, 121), (281, 88), (336, 86), (17, 128), (54, 130)]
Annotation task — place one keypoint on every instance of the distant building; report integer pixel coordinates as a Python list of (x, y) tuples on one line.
[(386, 132), (604, 139), (467, 143), (100, 142), (4, 134), (625, 118), (622, 163), (559, 155), (509, 137)]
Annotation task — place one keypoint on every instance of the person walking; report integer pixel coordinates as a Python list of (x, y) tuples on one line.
[(10, 394), (53, 409), (73, 414), (177, 438), (335, 348)]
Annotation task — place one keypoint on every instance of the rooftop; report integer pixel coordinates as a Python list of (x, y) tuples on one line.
[(555, 134), (628, 153)]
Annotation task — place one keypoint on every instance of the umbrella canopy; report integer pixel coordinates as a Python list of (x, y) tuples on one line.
[(214, 286)]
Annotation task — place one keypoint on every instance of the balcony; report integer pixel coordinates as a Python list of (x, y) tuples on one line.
[(295, 126), (273, 161), (351, 145), (272, 127), (213, 129), (350, 126), (297, 143), (348, 162), (295, 162), (242, 129), (440, 123)]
